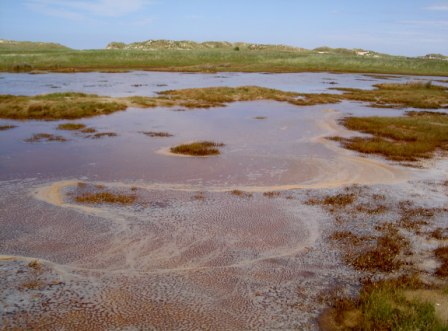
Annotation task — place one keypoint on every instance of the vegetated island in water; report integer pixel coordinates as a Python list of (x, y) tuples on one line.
[(189, 56), (72, 105)]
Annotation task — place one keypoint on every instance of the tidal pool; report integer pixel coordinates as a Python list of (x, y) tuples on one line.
[(283, 148), (189, 253)]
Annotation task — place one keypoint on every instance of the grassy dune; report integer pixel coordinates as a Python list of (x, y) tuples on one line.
[(213, 60)]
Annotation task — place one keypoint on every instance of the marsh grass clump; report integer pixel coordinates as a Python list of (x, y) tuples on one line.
[(102, 135), (35, 264), (384, 256), (348, 237), (199, 196), (333, 202), (409, 138), (439, 234), (219, 96), (271, 194), (384, 305), (71, 126), (106, 197), (34, 282), (45, 137), (140, 101), (241, 194), (57, 106), (88, 130), (7, 127), (200, 148), (157, 134), (412, 94)]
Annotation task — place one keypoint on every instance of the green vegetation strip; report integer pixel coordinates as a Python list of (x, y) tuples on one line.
[(57, 106), (409, 138), (414, 94), (23, 59), (71, 105), (385, 305)]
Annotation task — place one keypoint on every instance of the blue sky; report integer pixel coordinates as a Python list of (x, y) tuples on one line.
[(406, 27)]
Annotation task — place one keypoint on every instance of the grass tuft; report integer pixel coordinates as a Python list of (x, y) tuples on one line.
[(7, 127), (413, 94), (106, 197), (384, 305), (201, 148), (102, 135), (157, 134), (241, 194), (44, 137), (56, 106), (271, 194)]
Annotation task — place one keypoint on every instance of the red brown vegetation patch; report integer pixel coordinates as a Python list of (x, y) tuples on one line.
[(442, 254)]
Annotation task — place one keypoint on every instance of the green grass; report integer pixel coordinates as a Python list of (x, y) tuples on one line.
[(71, 105), (414, 94), (200, 148), (219, 96), (383, 305), (213, 60), (407, 138), (56, 106)]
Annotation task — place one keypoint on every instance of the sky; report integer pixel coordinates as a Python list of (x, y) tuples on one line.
[(401, 27)]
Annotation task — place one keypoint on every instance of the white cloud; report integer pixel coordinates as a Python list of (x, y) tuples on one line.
[(78, 9), (434, 23), (438, 7)]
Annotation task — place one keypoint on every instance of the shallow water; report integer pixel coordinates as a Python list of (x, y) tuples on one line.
[(176, 259), (278, 150), (149, 83)]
